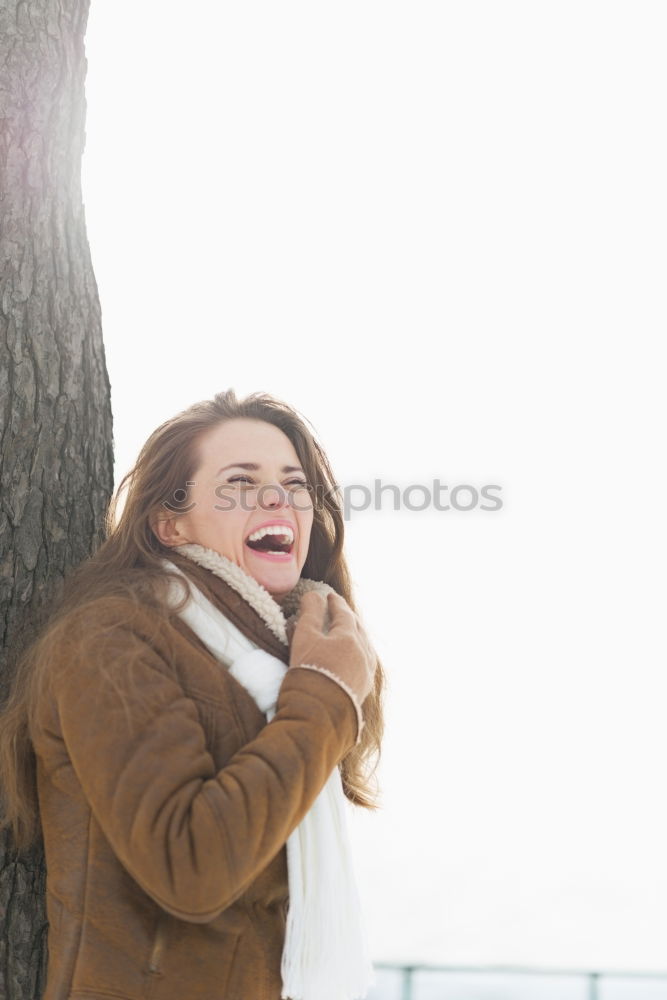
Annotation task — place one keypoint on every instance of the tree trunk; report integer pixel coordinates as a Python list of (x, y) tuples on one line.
[(56, 460)]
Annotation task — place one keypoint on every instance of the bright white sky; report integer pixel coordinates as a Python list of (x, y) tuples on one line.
[(438, 230)]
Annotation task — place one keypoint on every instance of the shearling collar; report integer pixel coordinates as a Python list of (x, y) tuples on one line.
[(274, 615)]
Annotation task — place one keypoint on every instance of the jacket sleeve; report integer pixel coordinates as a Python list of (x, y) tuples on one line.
[(193, 837)]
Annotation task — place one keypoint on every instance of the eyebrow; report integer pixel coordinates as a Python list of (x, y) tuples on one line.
[(253, 467)]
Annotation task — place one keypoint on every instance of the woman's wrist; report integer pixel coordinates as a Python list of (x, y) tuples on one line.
[(346, 687)]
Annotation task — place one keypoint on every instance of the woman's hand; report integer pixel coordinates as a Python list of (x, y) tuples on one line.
[(343, 651)]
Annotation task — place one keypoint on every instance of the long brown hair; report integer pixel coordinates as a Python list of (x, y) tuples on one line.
[(127, 564)]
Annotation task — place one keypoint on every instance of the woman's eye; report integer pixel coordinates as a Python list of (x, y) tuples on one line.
[(246, 479)]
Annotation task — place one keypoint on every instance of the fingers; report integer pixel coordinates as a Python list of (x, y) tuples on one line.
[(317, 599), (341, 605), (311, 608), (316, 603), (338, 606)]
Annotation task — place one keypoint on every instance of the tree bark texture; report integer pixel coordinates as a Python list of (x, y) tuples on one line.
[(56, 458)]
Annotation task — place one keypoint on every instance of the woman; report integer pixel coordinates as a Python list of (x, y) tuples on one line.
[(187, 725)]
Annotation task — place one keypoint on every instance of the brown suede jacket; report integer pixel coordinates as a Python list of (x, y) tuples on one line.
[(166, 800)]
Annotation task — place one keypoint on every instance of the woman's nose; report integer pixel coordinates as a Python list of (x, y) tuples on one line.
[(273, 496)]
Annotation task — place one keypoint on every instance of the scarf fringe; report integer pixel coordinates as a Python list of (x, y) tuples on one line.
[(326, 955)]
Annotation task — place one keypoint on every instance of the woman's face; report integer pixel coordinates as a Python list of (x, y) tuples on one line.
[(226, 503)]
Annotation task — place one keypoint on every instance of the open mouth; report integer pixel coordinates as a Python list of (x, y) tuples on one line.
[(276, 543)]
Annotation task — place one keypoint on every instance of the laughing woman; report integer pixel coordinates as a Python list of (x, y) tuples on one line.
[(185, 731)]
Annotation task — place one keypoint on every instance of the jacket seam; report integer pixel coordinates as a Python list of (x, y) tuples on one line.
[(247, 909), (214, 813), (247, 736), (255, 929), (84, 904), (96, 993)]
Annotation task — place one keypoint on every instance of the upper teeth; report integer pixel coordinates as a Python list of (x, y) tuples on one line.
[(272, 529)]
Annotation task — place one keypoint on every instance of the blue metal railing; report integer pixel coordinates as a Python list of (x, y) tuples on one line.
[(593, 978)]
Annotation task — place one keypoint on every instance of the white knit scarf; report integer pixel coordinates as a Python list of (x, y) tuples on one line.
[(325, 953)]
